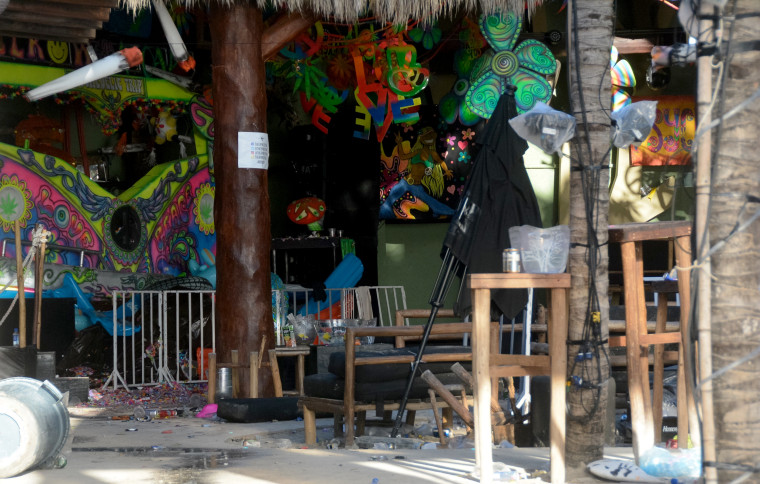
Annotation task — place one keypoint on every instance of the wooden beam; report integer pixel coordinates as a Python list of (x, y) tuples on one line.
[(56, 9), (91, 3), (36, 31), (285, 29), (633, 46), (44, 20)]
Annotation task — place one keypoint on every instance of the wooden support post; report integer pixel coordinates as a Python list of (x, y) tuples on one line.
[(688, 419), (300, 374), (39, 272), (241, 202), (659, 365), (211, 377), (309, 426), (253, 377), (481, 303), (439, 388), (438, 419), (641, 419), (348, 399), (465, 376), (558, 352), (275, 373), (20, 284), (235, 373)]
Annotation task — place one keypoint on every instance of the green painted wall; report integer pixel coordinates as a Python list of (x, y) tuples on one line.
[(408, 254)]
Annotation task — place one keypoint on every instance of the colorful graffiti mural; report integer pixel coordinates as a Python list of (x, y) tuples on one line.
[(159, 225)]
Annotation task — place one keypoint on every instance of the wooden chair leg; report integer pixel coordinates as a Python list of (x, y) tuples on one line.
[(235, 374), (300, 372), (438, 420), (448, 416), (254, 376), (659, 366), (309, 426), (212, 378), (411, 415), (338, 425), (361, 421), (275, 373)]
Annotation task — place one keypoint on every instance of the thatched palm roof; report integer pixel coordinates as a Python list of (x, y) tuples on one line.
[(396, 11)]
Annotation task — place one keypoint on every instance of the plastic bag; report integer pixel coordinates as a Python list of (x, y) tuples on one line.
[(633, 123), (542, 251), (545, 127), (661, 462)]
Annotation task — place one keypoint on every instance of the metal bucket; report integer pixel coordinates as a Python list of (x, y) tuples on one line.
[(223, 383), (34, 424)]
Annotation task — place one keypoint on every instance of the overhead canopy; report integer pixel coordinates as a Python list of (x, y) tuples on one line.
[(74, 21), (395, 11)]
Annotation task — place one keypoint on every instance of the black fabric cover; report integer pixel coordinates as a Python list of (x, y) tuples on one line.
[(16, 361), (327, 385), (394, 371), (498, 195), (248, 410)]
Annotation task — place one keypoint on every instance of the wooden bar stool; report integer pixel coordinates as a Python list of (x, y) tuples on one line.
[(254, 363), (637, 339)]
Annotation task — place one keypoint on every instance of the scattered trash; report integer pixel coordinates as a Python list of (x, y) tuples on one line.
[(333, 444), (131, 430), (283, 444), (661, 462), (461, 442), (429, 446), (505, 444), (375, 480), (208, 411), (379, 457), (502, 473), (368, 442), (251, 443), (166, 432)]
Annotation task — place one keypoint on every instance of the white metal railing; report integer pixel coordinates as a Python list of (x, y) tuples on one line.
[(164, 336), (365, 302), (160, 336)]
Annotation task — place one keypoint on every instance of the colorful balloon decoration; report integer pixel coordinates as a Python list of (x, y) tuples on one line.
[(166, 127), (523, 67), (307, 211), (452, 107), (622, 77)]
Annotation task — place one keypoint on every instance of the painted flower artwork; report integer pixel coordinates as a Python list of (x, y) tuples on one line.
[(524, 67)]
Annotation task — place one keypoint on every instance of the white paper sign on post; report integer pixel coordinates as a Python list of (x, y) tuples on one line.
[(253, 150)]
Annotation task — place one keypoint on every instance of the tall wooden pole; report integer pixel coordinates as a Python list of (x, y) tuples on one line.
[(20, 284), (241, 206), (39, 273), (704, 285)]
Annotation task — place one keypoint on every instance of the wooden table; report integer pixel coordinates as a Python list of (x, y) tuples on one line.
[(488, 365), (300, 352), (637, 339)]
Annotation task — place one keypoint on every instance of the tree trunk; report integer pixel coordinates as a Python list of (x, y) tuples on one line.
[(736, 265), (588, 60), (241, 206)]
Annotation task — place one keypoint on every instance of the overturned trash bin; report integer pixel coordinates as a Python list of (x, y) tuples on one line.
[(34, 425)]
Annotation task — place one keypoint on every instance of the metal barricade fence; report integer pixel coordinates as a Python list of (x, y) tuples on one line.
[(166, 336), (161, 336)]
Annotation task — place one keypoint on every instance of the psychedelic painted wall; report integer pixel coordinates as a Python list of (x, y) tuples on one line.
[(160, 224)]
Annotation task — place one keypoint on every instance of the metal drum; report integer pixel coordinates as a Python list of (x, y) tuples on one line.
[(34, 424)]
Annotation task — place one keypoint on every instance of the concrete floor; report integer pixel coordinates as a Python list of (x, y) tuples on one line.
[(187, 450)]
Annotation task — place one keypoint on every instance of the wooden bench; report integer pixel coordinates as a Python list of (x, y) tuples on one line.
[(349, 407)]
